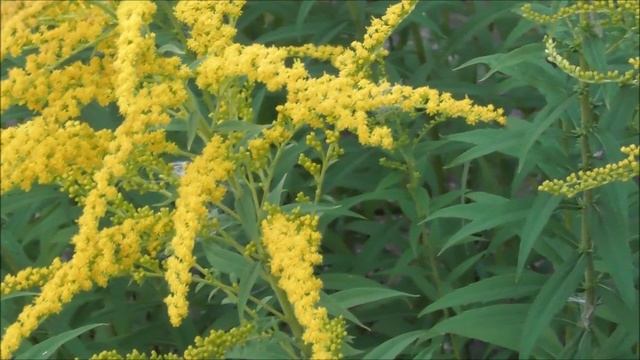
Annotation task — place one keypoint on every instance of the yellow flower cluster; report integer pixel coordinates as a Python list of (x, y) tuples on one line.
[(40, 83), (113, 251), (590, 76), (584, 180), (95, 166), (212, 23), (39, 152), (130, 63), (213, 346), (59, 94), (198, 186), (29, 278), (292, 243), (614, 9), (320, 52), (341, 101), (277, 134), (354, 62)]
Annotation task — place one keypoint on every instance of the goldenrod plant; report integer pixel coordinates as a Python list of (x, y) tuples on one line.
[(251, 179)]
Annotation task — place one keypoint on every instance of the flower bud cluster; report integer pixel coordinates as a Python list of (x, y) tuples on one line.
[(575, 183), (217, 343), (616, 10), (590, 76), (214, 346)]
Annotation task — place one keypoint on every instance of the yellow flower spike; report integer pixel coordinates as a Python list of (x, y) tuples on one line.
[(115, 250), (40, 83), (199, 186), (292, 243), (18, 18), (578, 182), (355, 61), (209, 32), (29, 278), (37, 152)]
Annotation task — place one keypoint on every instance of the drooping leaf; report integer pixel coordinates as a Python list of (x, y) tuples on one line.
[(247, 280), (537, 217), (46, 348), (358, 296), (391, 348), (489, 289)]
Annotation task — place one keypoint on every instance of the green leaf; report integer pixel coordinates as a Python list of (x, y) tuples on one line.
[(547, 116), (305, 7), (550, 300), (245, 127), (485, 222), (489, 289), (391, 348), (611, 238), (224, 260), (498, 62), (246, 209), (537, 218), (342, 281), (335, 309), (353, 297), (192, 127), (595, 53), (276, 194), (463, 267), (47, 348), (15, 200), (173, 48), (496, 324), (247, 280), (18, 294), (290, 32)]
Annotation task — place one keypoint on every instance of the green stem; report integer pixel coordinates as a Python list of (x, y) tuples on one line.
[(417, 39), (229, 290), (586, 244), (176, 26), (229, 212), (323, 172), (289, 315), (266, 183), (421, 213)]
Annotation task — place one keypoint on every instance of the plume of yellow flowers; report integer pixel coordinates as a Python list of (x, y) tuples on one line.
[(340, 101), (115, 250), (292, 243), (70, 152), (55, 146), (199, 185), (575, 183), (29, 278)]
